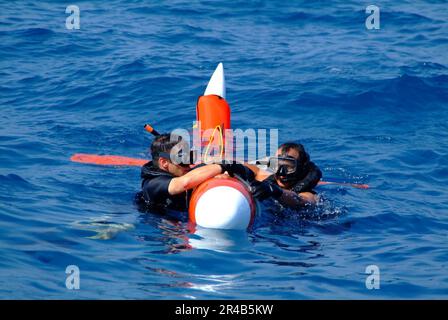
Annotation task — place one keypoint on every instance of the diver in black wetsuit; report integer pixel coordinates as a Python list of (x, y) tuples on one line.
[(167, 184), (294, 173)]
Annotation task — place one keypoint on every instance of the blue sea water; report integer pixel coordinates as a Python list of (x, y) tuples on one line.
[(371, 106)]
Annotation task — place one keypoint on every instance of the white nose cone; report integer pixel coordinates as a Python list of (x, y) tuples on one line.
[(223, 207), (217, 83)]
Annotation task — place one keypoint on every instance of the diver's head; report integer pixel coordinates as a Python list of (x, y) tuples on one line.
[(168, 154), (290, 164)]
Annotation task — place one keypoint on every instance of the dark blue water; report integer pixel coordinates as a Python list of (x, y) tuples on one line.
[(371, 106)]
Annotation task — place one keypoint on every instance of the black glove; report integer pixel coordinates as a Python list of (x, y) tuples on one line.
[(263, 190), (235, 169)]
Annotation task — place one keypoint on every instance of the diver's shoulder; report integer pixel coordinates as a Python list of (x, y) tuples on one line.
[(149, 171)]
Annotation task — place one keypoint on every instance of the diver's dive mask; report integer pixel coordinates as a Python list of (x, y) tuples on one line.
[(287, 169), (283, 165)]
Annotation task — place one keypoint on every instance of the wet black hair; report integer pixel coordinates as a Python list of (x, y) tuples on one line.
[(163, 143), (303, 156)]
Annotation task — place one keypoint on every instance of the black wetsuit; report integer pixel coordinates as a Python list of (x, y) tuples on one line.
[(155, 195), (307, 182)]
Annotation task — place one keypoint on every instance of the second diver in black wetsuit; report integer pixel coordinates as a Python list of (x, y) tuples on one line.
[(294, 173)]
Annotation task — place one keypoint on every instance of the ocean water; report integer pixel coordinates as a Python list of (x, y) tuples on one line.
[(370, 106)]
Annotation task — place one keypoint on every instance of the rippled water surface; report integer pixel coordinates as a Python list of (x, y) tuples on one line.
[(369, 105)]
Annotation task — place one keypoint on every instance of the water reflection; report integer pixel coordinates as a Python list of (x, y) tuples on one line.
[(224, 241), (178, 236)]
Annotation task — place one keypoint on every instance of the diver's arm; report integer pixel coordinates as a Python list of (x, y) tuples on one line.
[(193, 178), (293, 200), (308, 198)]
